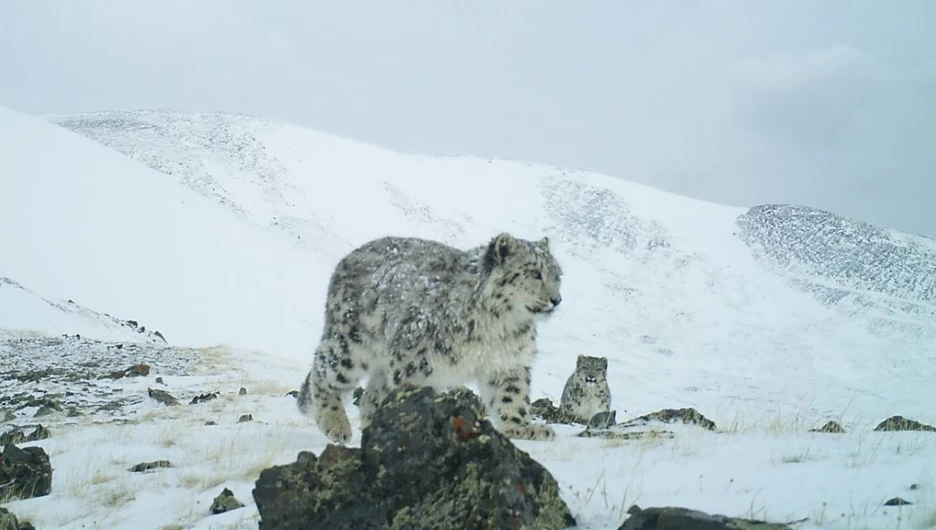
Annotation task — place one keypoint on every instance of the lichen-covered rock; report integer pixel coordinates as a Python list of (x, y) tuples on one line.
[(225, 502), (24, 473), (673, 518), (545, 409), (831, 427), (899, 423), (8, 520), (426, 461)]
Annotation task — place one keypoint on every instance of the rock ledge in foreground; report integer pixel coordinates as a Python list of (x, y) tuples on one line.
[(427, 461)]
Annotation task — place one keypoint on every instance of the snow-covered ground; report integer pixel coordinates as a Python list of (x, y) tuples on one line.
[(220, 231)]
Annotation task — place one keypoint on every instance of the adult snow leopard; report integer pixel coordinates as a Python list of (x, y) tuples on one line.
[(409, 310)]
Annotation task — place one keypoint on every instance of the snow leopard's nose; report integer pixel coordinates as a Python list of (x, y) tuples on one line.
[(555, 301)]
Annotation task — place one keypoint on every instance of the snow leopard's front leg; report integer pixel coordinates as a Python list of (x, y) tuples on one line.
[(507, 395)]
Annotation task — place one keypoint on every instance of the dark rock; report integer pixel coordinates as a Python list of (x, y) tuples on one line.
[(39, 433), (545, 409), (426, 461), (896, 501), (225, 502), (830, 427), (159, 380), (160, 335), (245, 418), (899, 423), (686, 415), (210, 422), (148, 466), (13, 436), (162, 396), (26, 526), (8, 520), (356, 396), (24, 473), (201, 398), (74, 412), (914, 486), (602, 420), (242, 391), (673, 518), (8, 415), (138, 370), (295, 394)]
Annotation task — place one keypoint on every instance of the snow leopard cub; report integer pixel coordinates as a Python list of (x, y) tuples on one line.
[(586, 392)]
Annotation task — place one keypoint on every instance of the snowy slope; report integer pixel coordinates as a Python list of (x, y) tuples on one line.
[(223, 229), (88, 224), (659, 282)]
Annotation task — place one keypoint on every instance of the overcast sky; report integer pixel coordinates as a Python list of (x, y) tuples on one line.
[(828, 103)]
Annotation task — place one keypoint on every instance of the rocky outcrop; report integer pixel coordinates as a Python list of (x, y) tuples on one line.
[(673, 518), (830, 427), (426, 461), (225, 502), (899, 423), (24, 473), (685, 415)]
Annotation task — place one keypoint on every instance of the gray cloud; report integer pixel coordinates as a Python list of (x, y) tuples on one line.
[(827, 104)]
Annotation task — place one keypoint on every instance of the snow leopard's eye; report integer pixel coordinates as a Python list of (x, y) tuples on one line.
[(537, 275)]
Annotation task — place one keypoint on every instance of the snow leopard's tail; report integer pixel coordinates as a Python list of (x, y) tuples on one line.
[(304, 399)]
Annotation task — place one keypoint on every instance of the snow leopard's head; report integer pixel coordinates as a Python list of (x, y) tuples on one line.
[(523, 273), (591, 370)]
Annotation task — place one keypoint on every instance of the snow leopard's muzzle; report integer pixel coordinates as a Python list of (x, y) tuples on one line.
[(546, 307)]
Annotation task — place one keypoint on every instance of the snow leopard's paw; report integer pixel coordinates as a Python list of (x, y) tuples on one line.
[(530, 431)]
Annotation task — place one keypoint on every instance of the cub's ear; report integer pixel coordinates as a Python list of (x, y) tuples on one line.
[(499, 249)]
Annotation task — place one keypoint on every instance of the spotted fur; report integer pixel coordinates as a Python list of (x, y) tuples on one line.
[(586, 392), (407, 310)]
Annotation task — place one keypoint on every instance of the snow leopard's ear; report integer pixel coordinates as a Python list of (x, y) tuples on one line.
[(544, 242), (604, 363), (579, 360), (500, 248)]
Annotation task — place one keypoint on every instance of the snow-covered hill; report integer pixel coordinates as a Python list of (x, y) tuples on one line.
[(217, 228)]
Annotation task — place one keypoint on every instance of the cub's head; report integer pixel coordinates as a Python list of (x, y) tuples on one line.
[(591, 370), (523, 273)]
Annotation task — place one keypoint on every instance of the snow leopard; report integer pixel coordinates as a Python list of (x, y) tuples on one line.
[(410, 310), (586, 392)]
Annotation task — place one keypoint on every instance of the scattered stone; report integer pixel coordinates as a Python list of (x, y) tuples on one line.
[(159, 380), (211, 422), (201, 398), (672, 518), (24, 473), (148, 466), (13, 436), (914, 486), (830, 427), (8, 415), (242, 391), (44, 411), (8, 520), (160, 335), (685, 415), (39, 433), (356, 396), (427, 460), (602, 420), (899, 423), (162, 396), (74, 412), (138, 370), (245, 418), (225, 502), (896, 501), (545, 409), (295, 394)]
